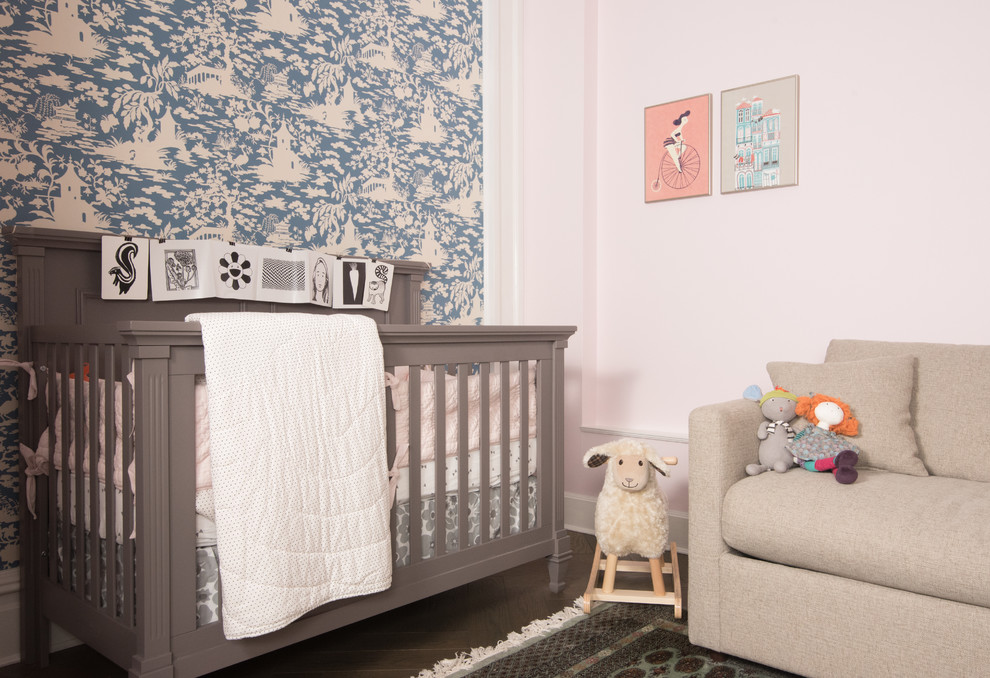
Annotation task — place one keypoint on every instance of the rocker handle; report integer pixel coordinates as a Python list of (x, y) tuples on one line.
[(669, 461)]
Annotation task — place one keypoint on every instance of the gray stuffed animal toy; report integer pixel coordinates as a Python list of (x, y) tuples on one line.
[(778, 406)]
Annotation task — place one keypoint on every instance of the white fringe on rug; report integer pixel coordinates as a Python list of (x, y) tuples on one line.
[(530, 632)]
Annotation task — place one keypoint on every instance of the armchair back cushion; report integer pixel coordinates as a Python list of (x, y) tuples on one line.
[(879, 392), (949, 406)]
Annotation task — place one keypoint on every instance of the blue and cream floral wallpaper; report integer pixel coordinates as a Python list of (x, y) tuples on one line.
[(346, 125)]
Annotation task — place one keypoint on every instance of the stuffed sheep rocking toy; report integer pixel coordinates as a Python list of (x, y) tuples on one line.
[(631, 519)]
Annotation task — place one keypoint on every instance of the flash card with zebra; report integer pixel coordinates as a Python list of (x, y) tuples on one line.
[(379, 287), (125, 268)]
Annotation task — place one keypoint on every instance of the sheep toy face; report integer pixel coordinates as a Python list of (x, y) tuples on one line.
[(630, 463), (631, 472)]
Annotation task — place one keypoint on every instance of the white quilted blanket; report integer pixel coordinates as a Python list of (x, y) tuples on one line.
[(297, 437)]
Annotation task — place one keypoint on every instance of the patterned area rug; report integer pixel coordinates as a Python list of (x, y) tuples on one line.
[(615, 641)]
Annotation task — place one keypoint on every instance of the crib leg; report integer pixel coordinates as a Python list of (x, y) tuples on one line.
[(36, 636), (558, 562), (36, 642)]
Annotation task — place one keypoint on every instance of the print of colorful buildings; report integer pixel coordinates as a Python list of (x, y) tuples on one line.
[(757, 157)]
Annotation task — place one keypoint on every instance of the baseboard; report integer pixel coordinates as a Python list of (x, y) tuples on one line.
[(579, 516), (10, 619), (10, 616)]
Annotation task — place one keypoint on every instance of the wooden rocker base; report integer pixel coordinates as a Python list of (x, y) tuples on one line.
[(655, 566)]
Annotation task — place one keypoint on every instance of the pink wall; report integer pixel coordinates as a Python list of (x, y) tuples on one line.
[(682, 303)]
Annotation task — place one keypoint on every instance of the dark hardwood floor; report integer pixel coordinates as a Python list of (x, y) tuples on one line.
[(399, 643)]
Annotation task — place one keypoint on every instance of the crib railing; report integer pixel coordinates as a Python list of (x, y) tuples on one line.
[(145, 578), (486, 354), (80, 539)]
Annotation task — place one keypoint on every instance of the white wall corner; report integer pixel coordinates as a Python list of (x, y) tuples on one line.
[(502, 155), (579, 516)]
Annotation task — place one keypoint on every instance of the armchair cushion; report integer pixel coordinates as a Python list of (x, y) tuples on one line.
[(927, 535)]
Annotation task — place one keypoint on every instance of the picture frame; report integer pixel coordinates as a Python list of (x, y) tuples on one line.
[(678, 154), (759, 135)]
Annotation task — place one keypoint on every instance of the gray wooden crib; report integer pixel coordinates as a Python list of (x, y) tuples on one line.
[(116, 564)]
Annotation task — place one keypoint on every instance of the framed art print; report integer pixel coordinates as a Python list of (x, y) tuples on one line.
[(760, 136), (677, 140)]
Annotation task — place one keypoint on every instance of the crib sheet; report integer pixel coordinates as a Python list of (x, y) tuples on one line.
[(399, 386), (69, 429), (427, 473), (206, 528), (118, 506)]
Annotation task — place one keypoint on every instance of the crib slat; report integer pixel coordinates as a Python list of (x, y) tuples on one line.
[(93, 508), (65, 492), (505, 477), (127, 505), (440, 460), (110, 437), (415, 461), (551, 469), (51, 494), (463, 446), (523, 446), (78, 466), (484, 447), (390, 457)]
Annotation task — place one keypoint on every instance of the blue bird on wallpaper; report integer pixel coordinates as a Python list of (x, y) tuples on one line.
[(124, 273)]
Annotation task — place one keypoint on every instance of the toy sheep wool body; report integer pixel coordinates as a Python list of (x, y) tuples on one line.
[(631, 512)]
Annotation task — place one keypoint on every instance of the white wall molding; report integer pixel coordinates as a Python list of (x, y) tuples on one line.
[(630, 433), (501, 148), (589, 197), (10, 581)]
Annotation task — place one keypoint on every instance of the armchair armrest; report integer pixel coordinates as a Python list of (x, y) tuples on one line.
[(721, 441)]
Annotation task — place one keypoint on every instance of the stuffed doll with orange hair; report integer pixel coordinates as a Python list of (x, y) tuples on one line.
[(823, 446)]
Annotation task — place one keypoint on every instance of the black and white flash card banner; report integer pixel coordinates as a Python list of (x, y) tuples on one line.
[(197, 269)]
